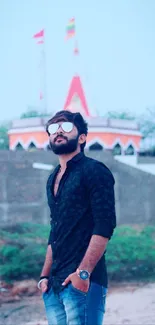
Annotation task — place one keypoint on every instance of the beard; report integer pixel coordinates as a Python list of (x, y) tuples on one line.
[(65, 148)]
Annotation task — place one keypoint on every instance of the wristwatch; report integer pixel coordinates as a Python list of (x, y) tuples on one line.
[(83, 274)]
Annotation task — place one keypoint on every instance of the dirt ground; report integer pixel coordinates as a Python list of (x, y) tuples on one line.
[(129, 304)]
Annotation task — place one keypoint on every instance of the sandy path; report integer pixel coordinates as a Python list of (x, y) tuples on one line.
[(133, 305)]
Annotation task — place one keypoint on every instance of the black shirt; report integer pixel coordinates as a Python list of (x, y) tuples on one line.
[(83, 206)]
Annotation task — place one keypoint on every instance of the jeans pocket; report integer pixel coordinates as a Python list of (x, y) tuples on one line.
[(103, 299), (77, 290), (47, 293), (44, 294), (104, 292)]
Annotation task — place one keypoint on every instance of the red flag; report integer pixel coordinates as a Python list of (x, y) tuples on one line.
[(40, 34)]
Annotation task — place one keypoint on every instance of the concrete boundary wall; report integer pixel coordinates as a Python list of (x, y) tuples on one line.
[(23, 194)]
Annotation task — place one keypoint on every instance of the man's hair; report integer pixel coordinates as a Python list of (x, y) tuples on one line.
[(75, 118)]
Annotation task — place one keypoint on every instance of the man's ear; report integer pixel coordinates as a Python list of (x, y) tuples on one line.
[(82, 138)]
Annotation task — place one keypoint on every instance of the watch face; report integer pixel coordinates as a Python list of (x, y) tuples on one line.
[(84, 275)]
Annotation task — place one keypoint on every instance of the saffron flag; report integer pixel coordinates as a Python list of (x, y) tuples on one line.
[(39, 36), (70, 29)]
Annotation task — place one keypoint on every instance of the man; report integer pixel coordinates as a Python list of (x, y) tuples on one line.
[(80, 195)]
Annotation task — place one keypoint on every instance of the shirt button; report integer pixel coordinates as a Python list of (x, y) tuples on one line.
[(54, 242)]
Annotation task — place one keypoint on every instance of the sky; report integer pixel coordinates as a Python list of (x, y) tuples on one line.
[(116, 40)]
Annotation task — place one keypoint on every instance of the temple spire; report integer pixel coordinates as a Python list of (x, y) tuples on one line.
[(76, 101)]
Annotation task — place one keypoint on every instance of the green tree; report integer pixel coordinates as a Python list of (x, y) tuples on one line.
[(120, 115), (147, 127), (4, 140), (29, 114), (32, 112), (147, 123)]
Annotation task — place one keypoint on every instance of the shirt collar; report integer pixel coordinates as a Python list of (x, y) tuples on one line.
[(75, 159)]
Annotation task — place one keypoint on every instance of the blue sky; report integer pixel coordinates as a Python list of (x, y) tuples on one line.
[(117, 54)]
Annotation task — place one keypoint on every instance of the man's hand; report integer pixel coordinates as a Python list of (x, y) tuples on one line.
[(44, 285), (82, 285)]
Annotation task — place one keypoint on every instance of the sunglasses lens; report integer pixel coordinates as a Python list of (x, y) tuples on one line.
[(67, 126), (52, 128)]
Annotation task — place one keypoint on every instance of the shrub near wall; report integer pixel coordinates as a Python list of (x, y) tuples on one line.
[(22, 251), (130, 253)]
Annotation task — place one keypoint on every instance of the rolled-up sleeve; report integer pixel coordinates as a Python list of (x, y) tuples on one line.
[(50, 238), (48, 190), (100, 182)]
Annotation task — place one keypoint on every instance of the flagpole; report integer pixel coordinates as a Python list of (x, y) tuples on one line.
[(71, 33), (76, 54), (43, 83), (40, 36), (44, 76)]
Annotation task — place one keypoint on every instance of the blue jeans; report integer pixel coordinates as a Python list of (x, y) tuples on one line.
[(74, 307)]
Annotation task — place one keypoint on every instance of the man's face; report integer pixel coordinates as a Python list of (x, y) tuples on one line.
[(63, 137)]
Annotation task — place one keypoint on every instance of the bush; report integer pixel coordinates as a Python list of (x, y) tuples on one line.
[(23, 251), (130, 252)]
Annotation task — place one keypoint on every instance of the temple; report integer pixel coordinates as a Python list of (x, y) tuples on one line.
[(119, 136)]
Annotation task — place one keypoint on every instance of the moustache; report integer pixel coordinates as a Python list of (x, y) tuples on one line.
[(60, 137)]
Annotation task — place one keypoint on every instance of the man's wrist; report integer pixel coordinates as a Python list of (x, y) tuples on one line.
[(83, 274), (42, 278)]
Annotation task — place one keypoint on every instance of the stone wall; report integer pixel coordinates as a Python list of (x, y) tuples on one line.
[(23, 195), (145, 159)]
